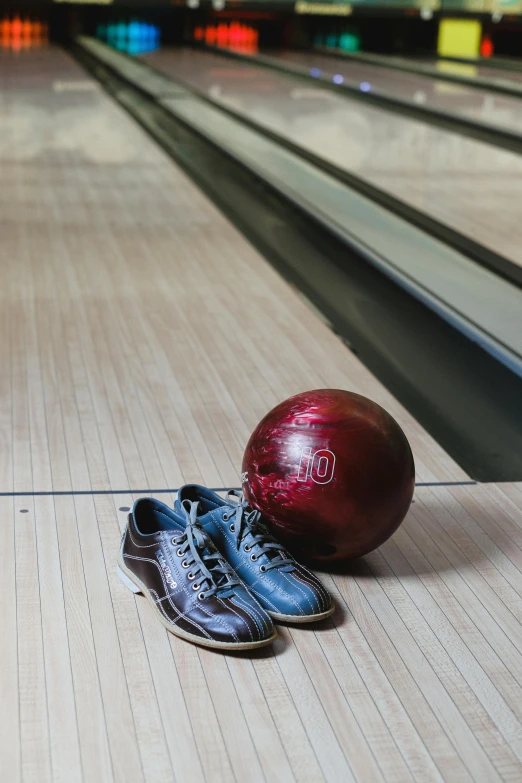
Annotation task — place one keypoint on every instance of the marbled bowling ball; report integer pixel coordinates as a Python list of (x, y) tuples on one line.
[(332, 472)]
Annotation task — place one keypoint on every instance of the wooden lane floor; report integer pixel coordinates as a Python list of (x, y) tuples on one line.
[(417, 677), (480, 105), (142, 338), (468, 185), (135, 319)]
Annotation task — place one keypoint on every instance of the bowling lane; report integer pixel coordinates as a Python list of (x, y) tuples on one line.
[(97, 223), (483, 70), (483, 106), (471, 70), (472, 187)]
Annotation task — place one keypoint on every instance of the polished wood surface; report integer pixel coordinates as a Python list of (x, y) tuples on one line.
[(142, 338), (469, 185)]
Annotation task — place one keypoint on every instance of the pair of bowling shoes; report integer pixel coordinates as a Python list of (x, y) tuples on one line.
[(213, 572)]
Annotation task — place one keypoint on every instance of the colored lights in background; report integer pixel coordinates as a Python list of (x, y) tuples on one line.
[(19, 33), (486, 46), (459, 38), (347, 41), (134, 37), (233, 35)]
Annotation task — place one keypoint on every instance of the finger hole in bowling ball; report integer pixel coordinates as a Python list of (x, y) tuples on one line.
[(265, 470)]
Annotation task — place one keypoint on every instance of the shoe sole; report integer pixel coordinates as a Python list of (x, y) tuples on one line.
[(135, 586), (301, 618)]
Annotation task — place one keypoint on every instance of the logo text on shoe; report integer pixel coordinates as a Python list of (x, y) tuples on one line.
[(167, 573)]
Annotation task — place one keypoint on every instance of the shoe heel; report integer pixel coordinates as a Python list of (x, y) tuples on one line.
[(127, 582)]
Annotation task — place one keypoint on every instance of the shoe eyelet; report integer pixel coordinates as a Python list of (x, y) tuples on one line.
[(184, 564), (262, 568), (253, 558), (190, 576), (225, 517), (232, 528), (195, 586), (201, 596), (179, 552), (247, 548)]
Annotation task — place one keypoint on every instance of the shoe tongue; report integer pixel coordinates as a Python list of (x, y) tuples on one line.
[(272, 554), (220, 580), (200, 538), (201, 541), (260, 527)]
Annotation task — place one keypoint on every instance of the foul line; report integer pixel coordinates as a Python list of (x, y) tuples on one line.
[(107, 492), (173, 491), (446, 483)]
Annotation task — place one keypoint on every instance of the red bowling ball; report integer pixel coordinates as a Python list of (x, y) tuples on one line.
[(332, 472)]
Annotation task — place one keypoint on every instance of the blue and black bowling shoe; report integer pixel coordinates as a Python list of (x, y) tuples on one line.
[(287, 590), (194, 592)]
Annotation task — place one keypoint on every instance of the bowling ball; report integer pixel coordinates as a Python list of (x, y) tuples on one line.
[(332, 473)]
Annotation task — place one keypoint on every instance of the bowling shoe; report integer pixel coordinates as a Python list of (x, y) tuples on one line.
[(194, 592), (287, 590)]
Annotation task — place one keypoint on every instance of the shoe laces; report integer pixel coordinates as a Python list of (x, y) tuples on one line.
[(207, 566), (248, 527)]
